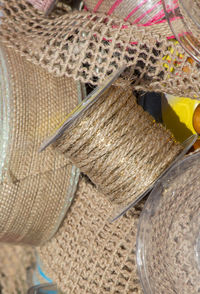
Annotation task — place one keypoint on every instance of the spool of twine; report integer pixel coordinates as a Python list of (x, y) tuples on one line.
[(119, 146)]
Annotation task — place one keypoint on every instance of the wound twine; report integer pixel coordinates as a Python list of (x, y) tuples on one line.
[(35, 189), (89, 46), (119, 146)]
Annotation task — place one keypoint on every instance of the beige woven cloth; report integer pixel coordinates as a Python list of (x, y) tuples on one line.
[(90, 255), (35, 188), (16, 267), (88, 47)]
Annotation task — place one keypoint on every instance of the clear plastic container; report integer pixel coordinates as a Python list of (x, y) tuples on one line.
[(44, 289), (184, 19), (168, 241)]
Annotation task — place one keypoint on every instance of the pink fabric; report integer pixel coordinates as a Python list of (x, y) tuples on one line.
[(42, 5)]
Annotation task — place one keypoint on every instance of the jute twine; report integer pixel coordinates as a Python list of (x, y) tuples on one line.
[(35, 189), (119, 146), (16, 268), (90, 255), (89, 46), (172, 238)]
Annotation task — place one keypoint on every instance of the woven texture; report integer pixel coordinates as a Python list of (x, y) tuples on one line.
[(88, 47), (119, 146), (16, 267), (34, 187), (90, 255)]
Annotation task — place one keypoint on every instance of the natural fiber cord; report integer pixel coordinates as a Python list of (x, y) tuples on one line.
[(119, 146), (36, 188), (89, 46), (90, 255)]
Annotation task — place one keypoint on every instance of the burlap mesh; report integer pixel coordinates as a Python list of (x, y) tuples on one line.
[(90, 255), (88, 47), (16, 267), (36, 188)]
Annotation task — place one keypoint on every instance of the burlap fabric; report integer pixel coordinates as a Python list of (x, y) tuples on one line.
[(16, 268), (90, 255), (88, 46), (35, 188)]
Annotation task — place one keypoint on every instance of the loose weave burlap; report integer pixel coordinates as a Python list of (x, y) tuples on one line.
[(35, 188), (90, 255), (16, 267), (88, 46)]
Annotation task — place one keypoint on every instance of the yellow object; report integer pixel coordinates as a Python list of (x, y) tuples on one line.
[(172, 62), (173, 59), (177, 114)]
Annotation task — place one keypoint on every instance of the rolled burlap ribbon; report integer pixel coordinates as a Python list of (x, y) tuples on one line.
[(89, 46), (35, 189), (90, 255), (119, 146)]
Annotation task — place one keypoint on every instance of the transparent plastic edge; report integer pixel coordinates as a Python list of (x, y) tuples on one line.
[(5, 113)]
